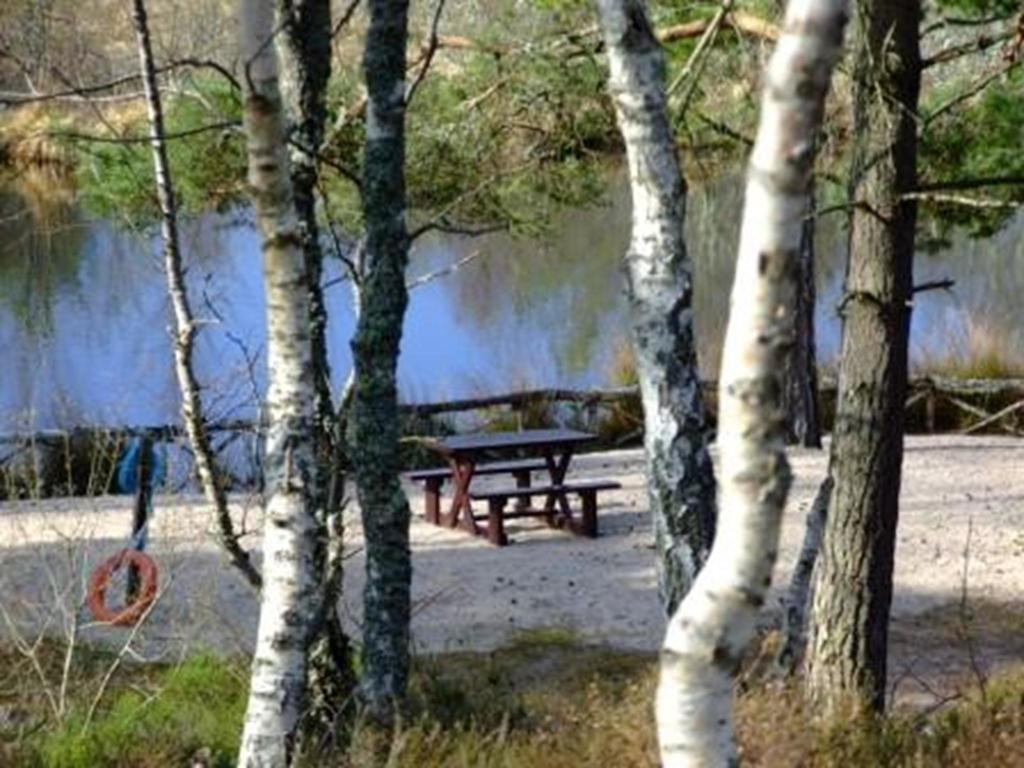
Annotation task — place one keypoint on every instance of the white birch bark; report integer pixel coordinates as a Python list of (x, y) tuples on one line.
[(291, 588), (680, 475), (709, 633), (184, 323)]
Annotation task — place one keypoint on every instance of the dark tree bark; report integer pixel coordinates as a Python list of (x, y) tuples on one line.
[(680, 476), (803, 425), (853, 584), (385, 510), (794, 618)]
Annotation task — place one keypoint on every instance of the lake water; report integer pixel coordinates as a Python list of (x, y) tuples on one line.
[(84, 315)]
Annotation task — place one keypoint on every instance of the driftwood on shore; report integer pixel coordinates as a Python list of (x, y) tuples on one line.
[(994, 404)]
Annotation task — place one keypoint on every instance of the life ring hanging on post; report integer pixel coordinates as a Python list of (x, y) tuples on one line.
[(100, 579)]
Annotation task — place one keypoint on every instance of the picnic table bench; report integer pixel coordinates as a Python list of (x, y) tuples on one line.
[(434, 478), (587, 491), (466, 455)]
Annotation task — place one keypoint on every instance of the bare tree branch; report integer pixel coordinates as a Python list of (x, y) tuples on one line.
[(428, 56), (972, 183), (452, 268), (97, 139), (961, 200), (978, 45), (345, 17), (970, 93), (934, 285), (87, 92)]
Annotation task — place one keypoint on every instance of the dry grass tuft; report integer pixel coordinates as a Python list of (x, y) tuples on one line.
[(546, 701), (979, 349)]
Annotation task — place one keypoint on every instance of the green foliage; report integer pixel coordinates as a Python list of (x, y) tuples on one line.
[(198, 705), (508, 144), (982, 140), (208, 168), (980, 8)]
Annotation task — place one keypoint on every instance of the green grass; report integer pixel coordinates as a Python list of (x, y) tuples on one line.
[(149, 720), (545, 701)]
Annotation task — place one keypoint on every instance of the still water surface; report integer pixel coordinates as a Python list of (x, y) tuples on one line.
[(84, 316)]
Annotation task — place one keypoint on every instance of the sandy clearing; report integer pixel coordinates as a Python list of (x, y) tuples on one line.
[(468, 594)]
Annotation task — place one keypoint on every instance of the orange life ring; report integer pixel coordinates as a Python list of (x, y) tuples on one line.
[(99, 581)]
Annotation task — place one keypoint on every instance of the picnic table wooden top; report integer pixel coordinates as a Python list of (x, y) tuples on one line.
[(527, 438)]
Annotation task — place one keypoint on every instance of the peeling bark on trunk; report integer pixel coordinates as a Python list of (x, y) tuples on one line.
[(848, 641), (290, 604), (803, 424), (680, 476), (385, 510), (709, 633), (184, 324), (305, 49)]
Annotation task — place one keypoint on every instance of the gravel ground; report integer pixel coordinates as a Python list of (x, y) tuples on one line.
[(469, 595)]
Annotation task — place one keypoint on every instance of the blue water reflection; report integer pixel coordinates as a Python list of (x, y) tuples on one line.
[(84, 316)]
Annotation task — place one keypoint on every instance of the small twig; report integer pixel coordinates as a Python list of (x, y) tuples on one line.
[(971, 183), (346, 17), (955, 21), (970, 93), (695, 63), (961, 200), (964, 617), (430, 277), (978, 45), (934, 285), (724, 129), (428, 57), (97, 139), (116, 663), (86, 92)]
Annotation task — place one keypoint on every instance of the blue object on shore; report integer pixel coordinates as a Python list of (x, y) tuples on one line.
[(128, 466)]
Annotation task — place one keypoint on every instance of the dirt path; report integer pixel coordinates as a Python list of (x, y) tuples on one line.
[(470, 595)]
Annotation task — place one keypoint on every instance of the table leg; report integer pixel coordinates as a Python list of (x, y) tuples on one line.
[(522, 481), (462, 475), (557, 469), (432, 500)]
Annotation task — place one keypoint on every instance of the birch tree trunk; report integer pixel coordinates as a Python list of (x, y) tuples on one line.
[(680, 476), (385, 510), (305, 48), (707, 636), (290, 602), (184, 323), (848, 640)]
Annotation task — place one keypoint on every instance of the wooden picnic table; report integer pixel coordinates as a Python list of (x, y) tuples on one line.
[(464, 452)]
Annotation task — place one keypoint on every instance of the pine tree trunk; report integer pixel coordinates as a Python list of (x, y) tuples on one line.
[(290, 604), (184, 324), (802, 419), (385, 510), (708, 635), (680, 476), (848, 640), (305, 49)]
